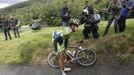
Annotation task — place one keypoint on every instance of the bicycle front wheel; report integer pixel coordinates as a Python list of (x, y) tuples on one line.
[(53, 60), (86, 57)]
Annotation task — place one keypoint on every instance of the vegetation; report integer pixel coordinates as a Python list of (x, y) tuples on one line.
[(34, 47), (48, 11)]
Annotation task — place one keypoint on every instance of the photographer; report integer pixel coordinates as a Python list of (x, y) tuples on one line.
[(88, 19)]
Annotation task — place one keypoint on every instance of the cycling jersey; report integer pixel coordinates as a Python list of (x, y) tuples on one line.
[(59, 37)]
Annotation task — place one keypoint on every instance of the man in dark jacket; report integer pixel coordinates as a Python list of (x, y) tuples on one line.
[(88, 18), (14, 25), (0, 23), (5, 27), (65, 15)]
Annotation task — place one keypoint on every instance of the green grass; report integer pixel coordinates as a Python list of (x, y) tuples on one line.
[(33, 47)]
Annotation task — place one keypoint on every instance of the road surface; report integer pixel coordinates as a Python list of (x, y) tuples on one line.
[(114, 69)]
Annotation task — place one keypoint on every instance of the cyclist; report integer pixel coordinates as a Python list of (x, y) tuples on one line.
[(60, 37)]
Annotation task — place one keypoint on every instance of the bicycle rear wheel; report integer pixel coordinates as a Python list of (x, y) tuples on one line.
[(86, 57)]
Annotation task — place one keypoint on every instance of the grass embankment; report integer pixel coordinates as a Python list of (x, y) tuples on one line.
[(33, 47)]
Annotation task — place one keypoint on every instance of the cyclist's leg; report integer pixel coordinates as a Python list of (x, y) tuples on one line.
[(61, 56), (61, 50), (61, 61)]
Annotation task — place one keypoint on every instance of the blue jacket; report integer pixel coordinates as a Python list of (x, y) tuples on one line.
[(64, 10), (124, 9)]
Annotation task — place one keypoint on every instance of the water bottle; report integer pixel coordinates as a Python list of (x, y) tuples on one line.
[(73, 53), (70, 52)]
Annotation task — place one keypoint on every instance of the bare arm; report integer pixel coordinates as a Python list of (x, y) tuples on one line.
[(109, 6)]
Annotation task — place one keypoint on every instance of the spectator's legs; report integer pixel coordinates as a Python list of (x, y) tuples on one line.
[(123, 23), (5, 33), (64, 23), (95, 32), (85, 32), (17, 30), (9, 34), (14, 31), (120, 24), (116, 25), (109, 23)]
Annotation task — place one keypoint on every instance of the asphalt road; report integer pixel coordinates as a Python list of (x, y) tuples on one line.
[(114, 69)]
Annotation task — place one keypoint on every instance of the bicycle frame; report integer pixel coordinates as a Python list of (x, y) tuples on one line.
[(71, 56), (75, 56)]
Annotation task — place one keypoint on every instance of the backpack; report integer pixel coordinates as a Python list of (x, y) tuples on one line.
[(97, 17), (36, 26)]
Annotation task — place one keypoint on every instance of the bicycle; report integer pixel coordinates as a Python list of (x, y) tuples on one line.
[(84, 56)]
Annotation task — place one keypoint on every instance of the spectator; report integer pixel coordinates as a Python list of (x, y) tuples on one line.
[(15, 26), (0, 23), (114, 10), (5, 27), (65, 15), (88, 18), (126, 6)]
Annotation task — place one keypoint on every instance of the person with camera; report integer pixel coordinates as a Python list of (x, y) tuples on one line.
[(89, 21), (114, 11)]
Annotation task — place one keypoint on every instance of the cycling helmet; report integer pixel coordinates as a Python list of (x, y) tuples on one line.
[(73, 22)]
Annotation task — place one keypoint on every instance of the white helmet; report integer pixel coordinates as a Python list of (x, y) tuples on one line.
[(86, 11), (73, 21)]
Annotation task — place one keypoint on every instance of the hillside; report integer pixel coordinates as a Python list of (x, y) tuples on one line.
[(34, 47), (48, 11)]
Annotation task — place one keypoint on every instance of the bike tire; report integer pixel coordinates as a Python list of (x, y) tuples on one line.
[(86, 55), (54, 63)]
